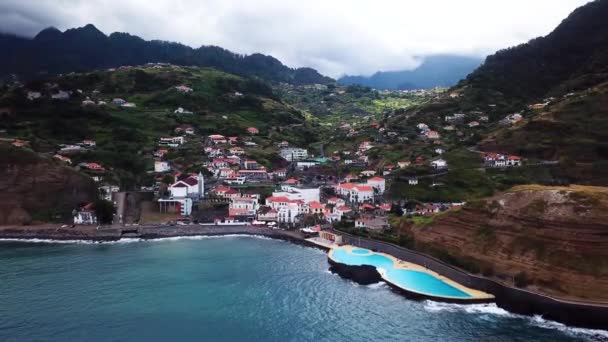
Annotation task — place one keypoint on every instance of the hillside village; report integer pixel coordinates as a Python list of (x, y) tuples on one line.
[(359, 170)]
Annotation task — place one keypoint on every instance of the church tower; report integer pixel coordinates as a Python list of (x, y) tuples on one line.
[(201, 185)]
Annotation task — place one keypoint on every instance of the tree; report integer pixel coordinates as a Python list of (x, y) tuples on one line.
[(104, 210)]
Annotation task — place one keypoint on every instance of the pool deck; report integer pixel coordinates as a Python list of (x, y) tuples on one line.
[(476, 295)]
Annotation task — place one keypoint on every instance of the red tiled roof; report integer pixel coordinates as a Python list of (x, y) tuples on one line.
[(376, 179), (277, 199), (190, 181), (315, 205), (364, 188)]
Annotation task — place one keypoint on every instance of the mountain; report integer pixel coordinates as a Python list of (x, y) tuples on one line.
[(219, 103), (435, 71), (86, 48), (572, 57)]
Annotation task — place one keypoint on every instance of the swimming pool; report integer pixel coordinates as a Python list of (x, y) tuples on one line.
[(411, 280)]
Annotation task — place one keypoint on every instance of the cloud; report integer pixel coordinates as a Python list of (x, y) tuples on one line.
[(336, 37)]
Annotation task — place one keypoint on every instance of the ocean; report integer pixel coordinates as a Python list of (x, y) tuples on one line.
[(234, 288)]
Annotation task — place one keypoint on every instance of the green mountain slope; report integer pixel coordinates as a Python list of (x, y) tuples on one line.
[(220, 103), (572, 57)]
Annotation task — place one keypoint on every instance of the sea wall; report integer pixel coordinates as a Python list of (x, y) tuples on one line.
[(516, 300)]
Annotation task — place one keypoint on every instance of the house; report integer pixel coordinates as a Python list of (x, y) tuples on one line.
[(316, 208), (63, 159), (473, 124), (280, 173), (367, 173), (403, 164), (364, 147), (419, 160), (357, 193), (243, 206), (19, 143), (87, 102), (336, 201), (501, 160), (160, 153), (226, 172), (252, 130), (283, 144), (183, 89), (61, 95), (412, 181), (251, 165), (378, 183), (422, 127), (350, 177), (439, 151), (292, 182), (184, 129), (372, 223), (33, 95), (225, 192), (267, 214), (432, 135), (161, 166), (85, 215), (217, 139), (181, 110), (92, 166), (106, 191), (88, 143), (128, 105), (254, 175), (439, 164), (118, 101), (293, 154), (171, 141), (300, 193), (236, 151)]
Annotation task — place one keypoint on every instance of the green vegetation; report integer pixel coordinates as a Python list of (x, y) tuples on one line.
[(221, 103)]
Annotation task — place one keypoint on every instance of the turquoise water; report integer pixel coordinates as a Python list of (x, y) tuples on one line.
[(360, 251), (412, 280), (224, 289)]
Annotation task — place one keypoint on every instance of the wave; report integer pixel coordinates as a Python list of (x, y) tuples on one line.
[(132, 240), (539, 321), (493, 309)]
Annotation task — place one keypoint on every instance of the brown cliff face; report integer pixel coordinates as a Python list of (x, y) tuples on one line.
[(549, 239), (38, 189)]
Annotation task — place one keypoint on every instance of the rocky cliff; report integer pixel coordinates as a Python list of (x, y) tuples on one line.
[(33, 188), (550, 239)]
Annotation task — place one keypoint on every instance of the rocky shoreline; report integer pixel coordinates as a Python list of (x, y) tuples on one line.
[(109, 234)]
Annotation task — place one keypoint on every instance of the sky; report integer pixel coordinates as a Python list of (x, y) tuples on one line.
[(336, 37)]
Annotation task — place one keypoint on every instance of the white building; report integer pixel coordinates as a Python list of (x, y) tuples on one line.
[(189, 187), (439, 164), (293, 153), (377, 183), (297, 193), (61, 95), (243, 206), (161, 166), (357, 193)]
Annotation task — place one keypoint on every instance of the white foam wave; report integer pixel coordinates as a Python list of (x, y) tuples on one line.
[(132, 240), (493, 309), (376, 286), (547, 324), (489, 308)]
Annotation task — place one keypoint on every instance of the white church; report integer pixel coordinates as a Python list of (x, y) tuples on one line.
[(182, 194)]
